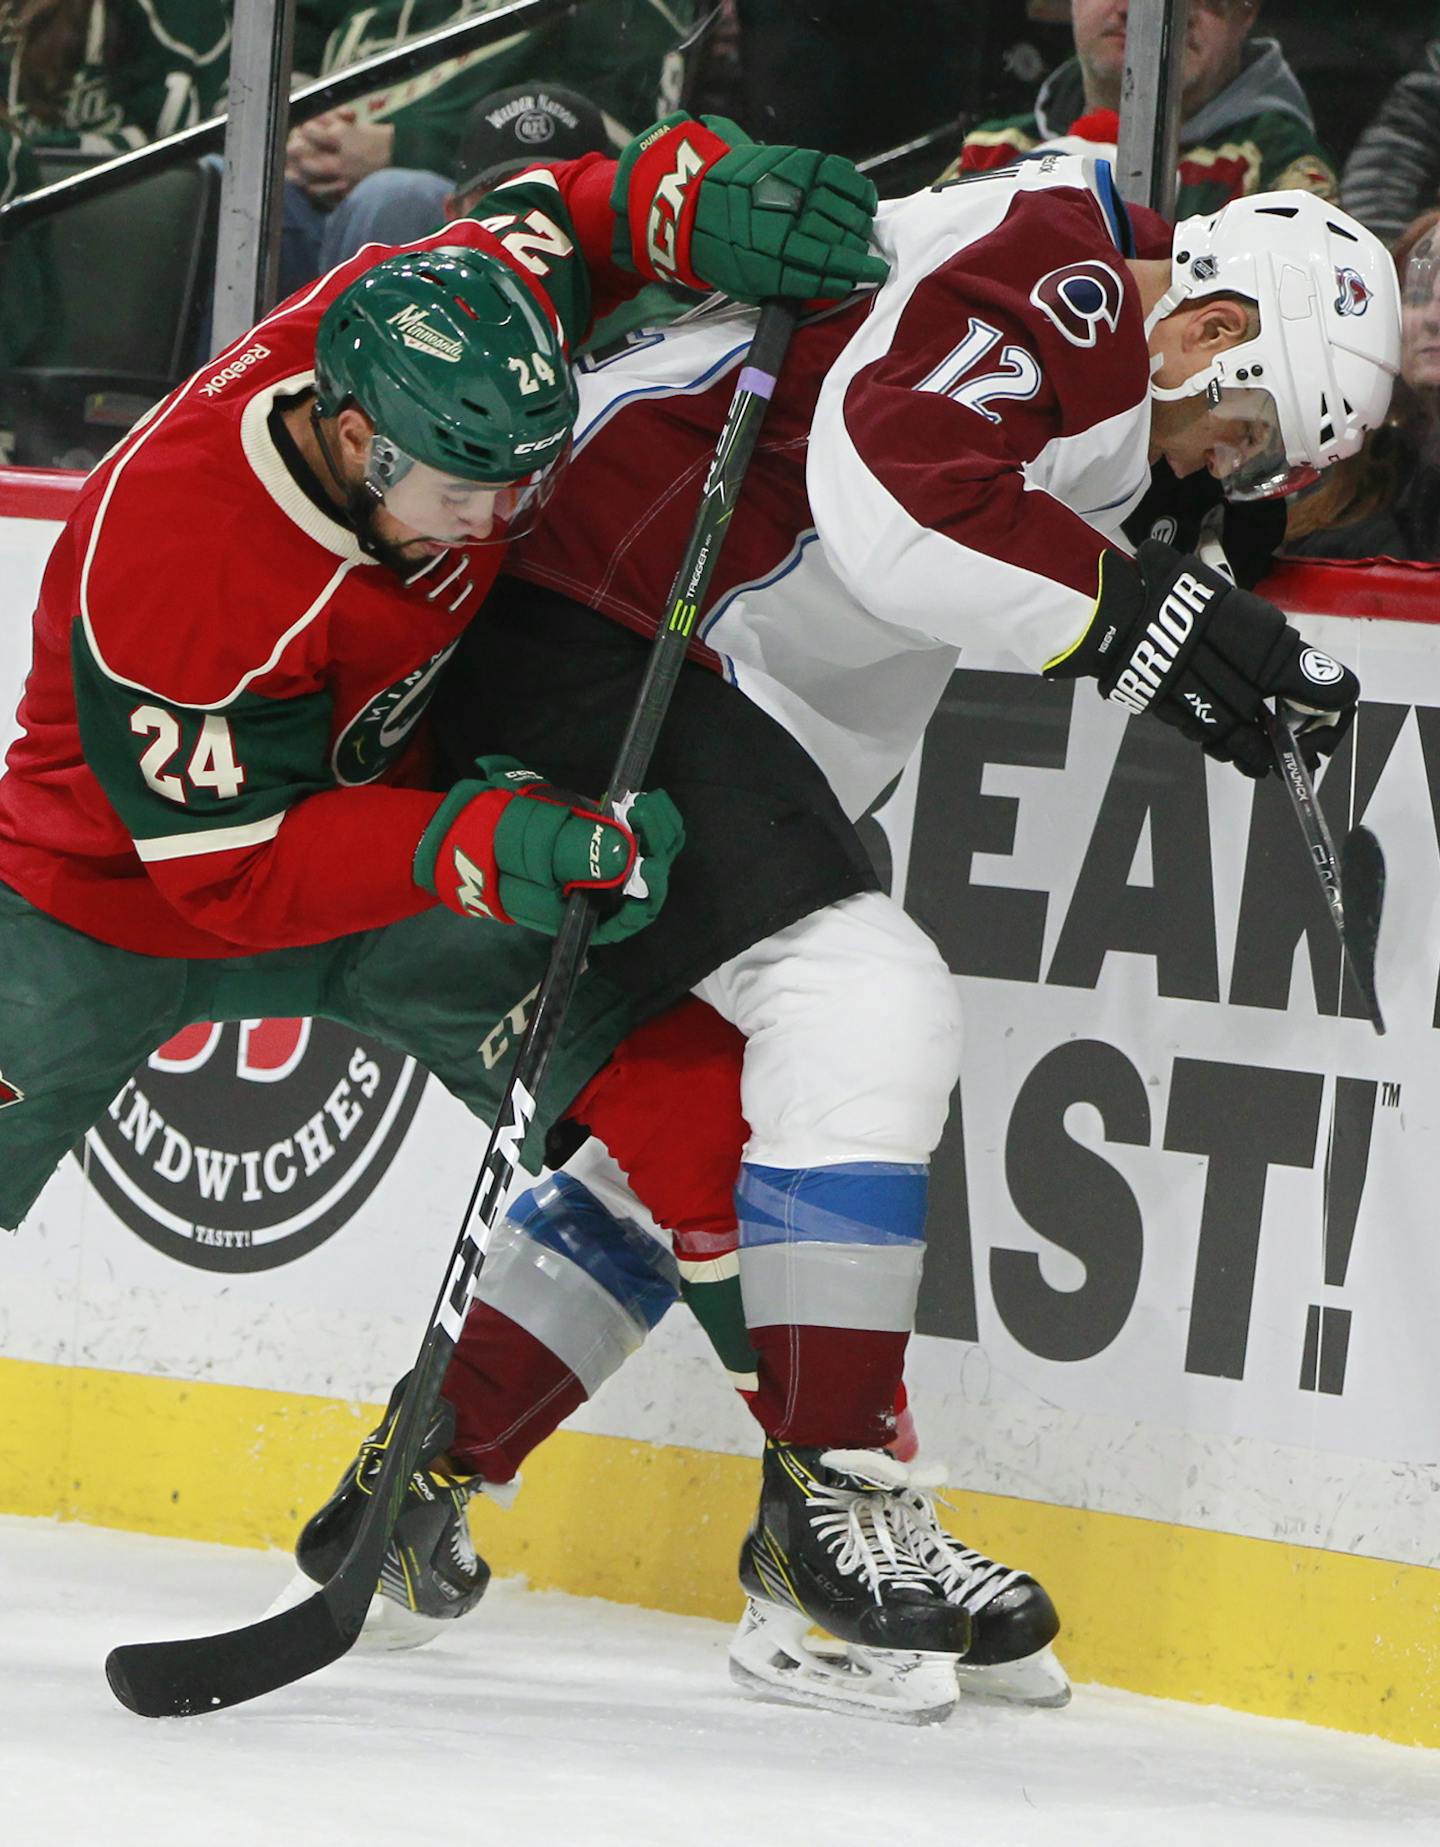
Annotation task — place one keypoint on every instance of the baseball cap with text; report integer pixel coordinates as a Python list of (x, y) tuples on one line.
[(526, 122)]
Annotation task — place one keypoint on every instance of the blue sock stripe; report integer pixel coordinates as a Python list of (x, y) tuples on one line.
[(565, 1217), (858, 1202)]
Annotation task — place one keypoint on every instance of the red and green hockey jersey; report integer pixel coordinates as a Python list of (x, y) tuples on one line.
[(224, 685), (137, 71)]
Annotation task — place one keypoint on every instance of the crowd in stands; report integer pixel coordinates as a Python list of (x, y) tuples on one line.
[(1341, 101)]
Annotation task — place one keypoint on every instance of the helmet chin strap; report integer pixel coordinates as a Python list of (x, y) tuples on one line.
[(361, 503), (1207, 381)]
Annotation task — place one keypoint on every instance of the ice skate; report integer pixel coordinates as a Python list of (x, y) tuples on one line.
[(830, 1547), (432, 1572), (1013, 1620)]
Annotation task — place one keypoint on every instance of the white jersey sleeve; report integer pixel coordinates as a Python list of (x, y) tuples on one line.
[(986, 430)]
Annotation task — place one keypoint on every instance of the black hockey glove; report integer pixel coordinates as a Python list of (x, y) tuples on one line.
[(1173, 638)]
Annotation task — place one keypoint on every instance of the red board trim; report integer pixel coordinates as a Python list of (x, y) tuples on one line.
[(1388, 588), (38, 493)]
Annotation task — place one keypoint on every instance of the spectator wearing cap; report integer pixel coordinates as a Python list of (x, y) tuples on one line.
[(507, 130), (1246, 125), (628, 55), (513, 128)]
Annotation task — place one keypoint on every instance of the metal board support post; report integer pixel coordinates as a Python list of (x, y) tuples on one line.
[(248, 243), (1149, 148)]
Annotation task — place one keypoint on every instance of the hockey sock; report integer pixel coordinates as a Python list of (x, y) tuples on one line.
[(830, 1270), (667, 1106), (509, 1392)]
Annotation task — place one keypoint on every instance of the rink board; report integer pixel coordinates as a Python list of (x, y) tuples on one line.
[(1200, 1414)]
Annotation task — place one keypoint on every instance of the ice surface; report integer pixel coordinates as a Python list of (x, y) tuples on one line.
[(548, 1721)]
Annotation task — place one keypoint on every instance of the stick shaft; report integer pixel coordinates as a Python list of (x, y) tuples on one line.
[(1320, 848)]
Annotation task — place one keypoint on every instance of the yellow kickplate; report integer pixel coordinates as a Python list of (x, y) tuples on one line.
[(1257, 1626)]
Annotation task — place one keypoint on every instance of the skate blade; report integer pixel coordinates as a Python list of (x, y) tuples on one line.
[(389, 1627), (1036, 1680), (771, 1658)]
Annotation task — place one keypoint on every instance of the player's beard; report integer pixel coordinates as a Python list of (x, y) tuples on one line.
[(362, 508)]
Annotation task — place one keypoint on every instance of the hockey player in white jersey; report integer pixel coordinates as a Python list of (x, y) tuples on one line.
[(947, 461)]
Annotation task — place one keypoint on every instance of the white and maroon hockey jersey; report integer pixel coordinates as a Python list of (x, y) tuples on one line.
[(944, 462)]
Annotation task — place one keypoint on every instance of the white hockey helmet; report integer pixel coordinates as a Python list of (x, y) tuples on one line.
[(1319, 373)]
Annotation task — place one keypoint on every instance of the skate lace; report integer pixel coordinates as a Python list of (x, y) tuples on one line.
[(867, 1532), (970, 1578), (462, 1546)]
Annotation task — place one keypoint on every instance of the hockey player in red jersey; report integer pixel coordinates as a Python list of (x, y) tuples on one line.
[(217, 807), (952, 458)]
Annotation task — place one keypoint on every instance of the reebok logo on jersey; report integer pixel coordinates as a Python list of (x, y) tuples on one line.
[(416, 332), (241, 363), (1155, 653)]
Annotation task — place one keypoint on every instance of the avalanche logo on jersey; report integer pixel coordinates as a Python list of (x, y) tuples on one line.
[(1355, 292), (1080, 299)]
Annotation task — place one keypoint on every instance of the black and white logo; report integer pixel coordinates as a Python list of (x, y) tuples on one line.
[(535, 126), (241, 1147), (1319, 668)]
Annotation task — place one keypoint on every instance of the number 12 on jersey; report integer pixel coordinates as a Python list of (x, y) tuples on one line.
[(1016, 376)]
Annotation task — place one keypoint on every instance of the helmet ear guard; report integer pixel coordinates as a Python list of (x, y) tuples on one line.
[(1328, 347)]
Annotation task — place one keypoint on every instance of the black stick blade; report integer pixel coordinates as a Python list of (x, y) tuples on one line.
[(1362, 880), (174, 1680)]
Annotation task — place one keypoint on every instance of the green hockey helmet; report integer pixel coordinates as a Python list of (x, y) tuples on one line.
[(453, 360)]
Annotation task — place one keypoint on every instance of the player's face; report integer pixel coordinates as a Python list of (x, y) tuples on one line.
[(426, 508), (1217, 30), (1187, 433), (1239, 443)]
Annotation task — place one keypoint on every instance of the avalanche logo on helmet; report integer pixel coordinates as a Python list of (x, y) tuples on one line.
[(1080, 299), (1355, 293)]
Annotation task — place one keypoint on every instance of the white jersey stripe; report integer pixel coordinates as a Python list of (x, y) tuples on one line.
[(209, 840)]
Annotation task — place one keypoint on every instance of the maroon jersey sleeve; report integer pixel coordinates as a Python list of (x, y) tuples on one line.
[(988, 430)]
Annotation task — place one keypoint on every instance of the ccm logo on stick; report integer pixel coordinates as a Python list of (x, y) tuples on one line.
[(1156, 651)]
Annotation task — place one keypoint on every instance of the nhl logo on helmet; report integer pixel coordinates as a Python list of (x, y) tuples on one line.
[(1355, 292), (242, 1147)]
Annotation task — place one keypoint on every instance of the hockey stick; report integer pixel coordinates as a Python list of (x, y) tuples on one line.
[(1354, 887), (206, 1673)]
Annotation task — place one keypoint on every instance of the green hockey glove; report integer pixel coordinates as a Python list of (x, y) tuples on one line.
[(700, 203), (507, 845)]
